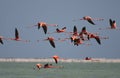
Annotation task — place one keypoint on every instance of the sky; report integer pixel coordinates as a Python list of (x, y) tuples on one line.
[(22, 14)]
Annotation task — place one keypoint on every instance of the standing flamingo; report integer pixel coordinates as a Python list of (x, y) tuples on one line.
[(44, 26), (1, 41)]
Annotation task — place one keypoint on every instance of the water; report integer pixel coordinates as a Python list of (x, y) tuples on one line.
[(70, 70)]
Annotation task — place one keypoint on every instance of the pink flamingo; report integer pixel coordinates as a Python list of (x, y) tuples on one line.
[(61, 30), (96, 37), (90, 19), (51, 41), (55, 57), (44, 26), (78, 41), (17, 38), (112, 25), (89, 35)]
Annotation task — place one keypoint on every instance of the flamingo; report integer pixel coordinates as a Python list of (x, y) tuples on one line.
[(17, 38), (44, 26), (89, 35), (82, 33), (39, 66), (112, 24), (61, 30), (1, 41), (51, 41), (55, 57), (78, 41), (96, 37), (89, 19)]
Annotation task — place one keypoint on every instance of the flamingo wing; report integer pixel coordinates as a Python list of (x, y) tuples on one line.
[(83, 29), (1, 41), (74, 29), (16, 33), (44, 29), (98, 40), (63, 28), (111, 22), (56, 61), (90, 21), (57, 30), (38, 25), (52, 43)]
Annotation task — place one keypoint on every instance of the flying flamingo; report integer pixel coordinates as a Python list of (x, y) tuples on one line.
[(61, 30), (112, 25), (17, 38), (51, 41), (39, 66), (44, 26), (1, 41), (78, 41), (96, 37), (55, 57), (82, 33), (90, 19)]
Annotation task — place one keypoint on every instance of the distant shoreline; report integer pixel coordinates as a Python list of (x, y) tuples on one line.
[(100, 60)]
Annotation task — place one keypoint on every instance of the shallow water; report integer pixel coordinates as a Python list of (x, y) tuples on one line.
[(70, 70)]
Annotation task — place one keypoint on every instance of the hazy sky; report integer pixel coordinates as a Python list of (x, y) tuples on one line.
[(24, 13)]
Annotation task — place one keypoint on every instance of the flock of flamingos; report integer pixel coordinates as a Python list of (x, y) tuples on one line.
[(76, 37)]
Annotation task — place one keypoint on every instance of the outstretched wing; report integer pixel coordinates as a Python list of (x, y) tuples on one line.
[(56, 61), (74, 29), (90, 21), (44, 28), (111, 22), (1, 41), (63, 28), (52, 43), (16, 33), (98, 40), (38, 25)]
